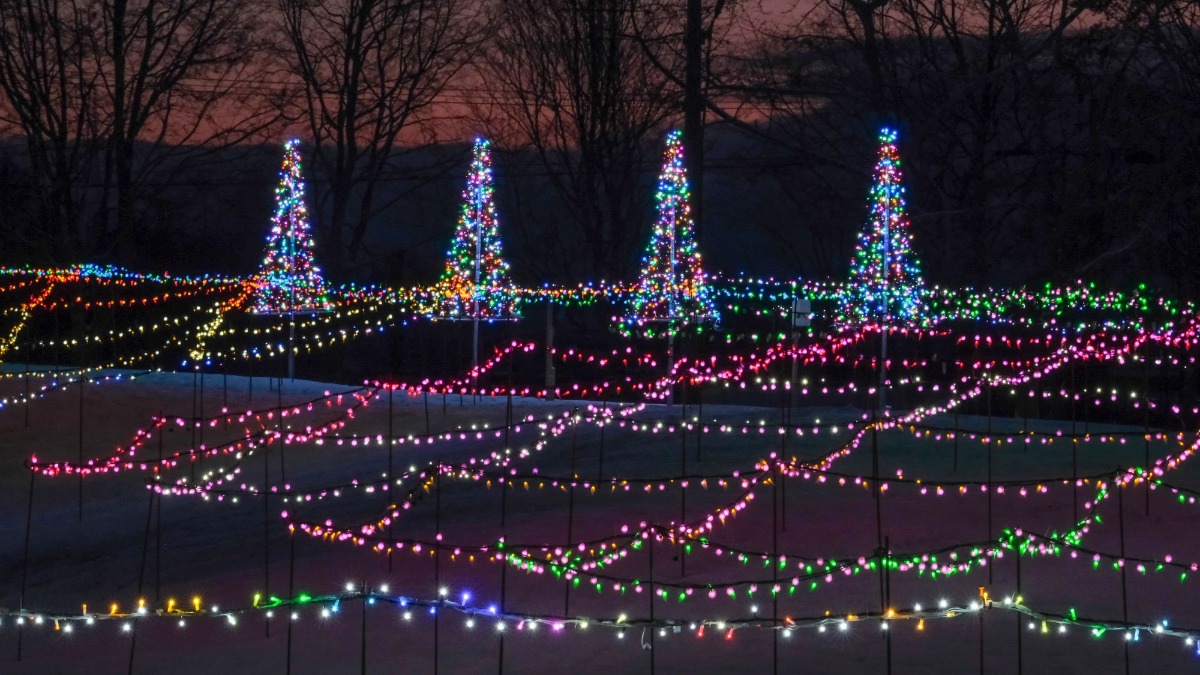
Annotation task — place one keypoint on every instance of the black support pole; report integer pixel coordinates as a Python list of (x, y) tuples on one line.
[(990, 487), (683, 479), (603, 425), (25, 560), (653, 656), (80, 464), (885, 571), (158, 513), (362, 653), (391, 484), (956, 439), (990, 490), (291, 594), (1124, 586), (981, 642), (194, 423), (141, 578), (200, 405), (503, 568), (875, 479), (1074, 454), (694, 106), (28, 401), (1020, 620), (1146, 435), (437, 563), (571, 515), (267, 531), (777, 475)]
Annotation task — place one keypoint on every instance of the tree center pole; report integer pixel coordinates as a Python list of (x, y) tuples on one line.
[(550, 374), (478, 287), (886, 306), (1119, 486), (291, 364), (25, 561), (292, 344), (79, 466), (670, 364), (391, 484)]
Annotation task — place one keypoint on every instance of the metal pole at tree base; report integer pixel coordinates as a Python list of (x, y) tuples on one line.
[(475, 291), (883, 368), (291, 364), (80, 464), (25, 562), (887, 305), (670, 364), (550, 374), (291, 594), (292, 343), (671, 309), (391, 484), (28, 402)]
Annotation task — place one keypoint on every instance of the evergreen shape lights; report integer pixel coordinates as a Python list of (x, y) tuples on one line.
[(672, 288), (476, 252), (288, 281), (885, 277)]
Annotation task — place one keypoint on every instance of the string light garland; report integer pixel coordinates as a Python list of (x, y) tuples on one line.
[(1104, 351), (833, 455), (1021, 345), (327, 607), (327, 533), (1076, 307), (124, 458), (25, 311)]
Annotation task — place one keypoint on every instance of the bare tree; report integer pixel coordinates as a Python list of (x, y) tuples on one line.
[(686, 59), (994, 110), (48, 95), (128, 85), (1167, 71), (370, 69), (173, 75), (573, 87)]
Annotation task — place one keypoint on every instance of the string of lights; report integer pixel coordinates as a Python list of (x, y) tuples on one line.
[(326, 607)]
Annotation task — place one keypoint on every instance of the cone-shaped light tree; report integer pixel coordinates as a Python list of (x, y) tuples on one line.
[(475, 284), (885, 284), (672, 292), (288, 281)]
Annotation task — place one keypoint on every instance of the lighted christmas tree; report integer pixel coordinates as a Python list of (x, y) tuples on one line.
[(288, 281), (672, 292), (475, 283), (885, 277)]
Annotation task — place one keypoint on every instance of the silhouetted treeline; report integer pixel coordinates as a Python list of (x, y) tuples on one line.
[(1041, 139)]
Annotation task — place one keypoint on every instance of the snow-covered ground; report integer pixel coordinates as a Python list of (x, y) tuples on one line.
[(215, 549)]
